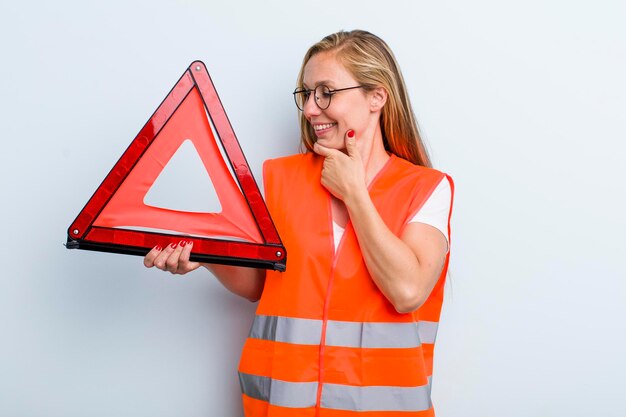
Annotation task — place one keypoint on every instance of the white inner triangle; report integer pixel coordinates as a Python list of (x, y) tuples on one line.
[(184, 184)]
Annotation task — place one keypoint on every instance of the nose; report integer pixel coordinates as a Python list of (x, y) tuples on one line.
[(310, 107)]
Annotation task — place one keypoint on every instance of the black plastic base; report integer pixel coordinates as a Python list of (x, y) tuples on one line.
[(222, 260)]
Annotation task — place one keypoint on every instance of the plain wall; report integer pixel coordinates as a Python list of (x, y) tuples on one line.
[(523, 103)]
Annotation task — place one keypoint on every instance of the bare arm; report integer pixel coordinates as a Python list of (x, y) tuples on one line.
[(245, 282), (404, 268)]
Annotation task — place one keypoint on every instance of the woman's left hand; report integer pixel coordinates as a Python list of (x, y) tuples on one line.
[(342, 173)]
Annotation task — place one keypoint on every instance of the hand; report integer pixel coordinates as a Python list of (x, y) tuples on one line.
[(174, 258), (341, 173)]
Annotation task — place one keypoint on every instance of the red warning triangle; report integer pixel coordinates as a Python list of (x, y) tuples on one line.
[(119, 219)]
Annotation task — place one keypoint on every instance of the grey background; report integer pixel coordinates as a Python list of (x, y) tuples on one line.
[(523, 103)]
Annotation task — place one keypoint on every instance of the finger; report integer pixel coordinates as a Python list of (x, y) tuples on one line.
[(148, 260), (350, 140), (173, 260), (321, 150), (160, 261), (184, 264)]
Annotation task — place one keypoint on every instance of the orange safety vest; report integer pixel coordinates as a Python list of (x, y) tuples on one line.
[(325, 341)]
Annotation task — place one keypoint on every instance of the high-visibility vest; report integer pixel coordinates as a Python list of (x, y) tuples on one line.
[(325, 341)]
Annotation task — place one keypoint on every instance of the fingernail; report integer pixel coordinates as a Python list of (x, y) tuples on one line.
[(173, 245), (350, 133), (158, 247), (183, 243)]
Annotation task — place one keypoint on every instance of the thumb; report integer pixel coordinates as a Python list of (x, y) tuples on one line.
[(350, 140), (321, 150)]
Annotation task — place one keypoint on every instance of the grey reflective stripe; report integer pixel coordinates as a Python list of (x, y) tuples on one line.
[(372, 335), (263, 327), (335, 396), (427, 331), (277, 392), (375, 398), (287, 329), (344, 333), (380, 335), (255, 386)]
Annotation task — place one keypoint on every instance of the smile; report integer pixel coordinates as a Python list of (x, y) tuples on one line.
[(324, 126)]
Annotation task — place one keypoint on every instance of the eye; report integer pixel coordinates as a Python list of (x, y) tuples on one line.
[(326, 92)]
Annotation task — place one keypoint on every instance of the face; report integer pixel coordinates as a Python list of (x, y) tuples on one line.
[(349, 109)]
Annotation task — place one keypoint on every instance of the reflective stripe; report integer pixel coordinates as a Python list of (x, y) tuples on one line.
[(427, 331), (344, 333), (287, 329), (372, 335), (375, 398), (335, 396), (277, 392), (263, 327)]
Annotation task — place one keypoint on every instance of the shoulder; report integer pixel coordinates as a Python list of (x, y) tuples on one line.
[(288, 162), (290, 171), (437, 209), (438, 203), (416, 174), (418, 168), (292, 159), (299, 165)]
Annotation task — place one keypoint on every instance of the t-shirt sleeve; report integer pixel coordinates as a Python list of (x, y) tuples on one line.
[(436, 209)]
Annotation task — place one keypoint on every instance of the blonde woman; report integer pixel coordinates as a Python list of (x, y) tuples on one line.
[(350, 327)]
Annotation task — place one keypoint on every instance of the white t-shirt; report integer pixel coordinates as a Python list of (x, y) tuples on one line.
[(434, 212)]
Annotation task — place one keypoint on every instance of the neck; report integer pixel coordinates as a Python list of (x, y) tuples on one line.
[(373, 153)]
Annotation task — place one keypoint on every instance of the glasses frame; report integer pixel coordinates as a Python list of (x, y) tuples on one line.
[(331, 93)]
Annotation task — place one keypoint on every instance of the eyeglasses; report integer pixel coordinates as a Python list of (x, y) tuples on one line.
[(323, 94)]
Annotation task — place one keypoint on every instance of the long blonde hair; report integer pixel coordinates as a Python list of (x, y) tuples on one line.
[(372, 64)]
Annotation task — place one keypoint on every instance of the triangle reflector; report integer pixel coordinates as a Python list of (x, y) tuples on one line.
[(225, 217)]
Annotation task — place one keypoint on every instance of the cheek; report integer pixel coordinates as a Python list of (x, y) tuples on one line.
[(356, 120), (357, 111), (346, 115)]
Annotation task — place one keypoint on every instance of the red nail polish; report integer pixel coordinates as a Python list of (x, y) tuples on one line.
[(183, 243), (158, 247), (350, 133), (173, 245)]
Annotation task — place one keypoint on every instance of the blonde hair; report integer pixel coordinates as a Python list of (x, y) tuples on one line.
[(372, 64)]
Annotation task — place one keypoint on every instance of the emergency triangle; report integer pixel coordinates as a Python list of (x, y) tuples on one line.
[(141, 203)]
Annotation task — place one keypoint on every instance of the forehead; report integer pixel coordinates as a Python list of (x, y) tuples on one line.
[(324, 68)]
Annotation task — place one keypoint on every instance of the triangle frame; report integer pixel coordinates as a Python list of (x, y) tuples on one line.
[(264, 251)]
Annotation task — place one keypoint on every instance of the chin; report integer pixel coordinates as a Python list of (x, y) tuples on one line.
[(332, 143)]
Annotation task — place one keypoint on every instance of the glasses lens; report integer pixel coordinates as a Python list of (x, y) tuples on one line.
[(322, 96), (301, 95)]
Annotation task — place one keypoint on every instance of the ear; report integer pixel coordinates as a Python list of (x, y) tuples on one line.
[(378, 98)]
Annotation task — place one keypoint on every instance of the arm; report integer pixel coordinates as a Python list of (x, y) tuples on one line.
[(245, 282), (404, 268)]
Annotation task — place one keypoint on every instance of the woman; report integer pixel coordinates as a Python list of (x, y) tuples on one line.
[(350, 326)]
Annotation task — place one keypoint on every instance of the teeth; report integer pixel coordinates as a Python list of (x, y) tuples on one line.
[(325, 126)]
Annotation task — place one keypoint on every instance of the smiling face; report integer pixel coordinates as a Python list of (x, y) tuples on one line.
[(349, 109)]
